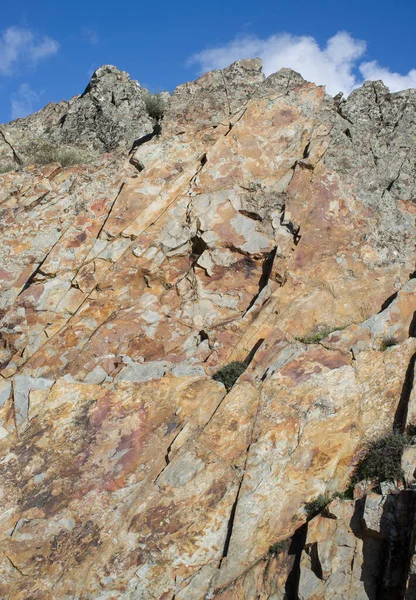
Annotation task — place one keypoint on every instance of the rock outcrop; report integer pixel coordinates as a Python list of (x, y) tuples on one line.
[(262, 222), (111, 113)]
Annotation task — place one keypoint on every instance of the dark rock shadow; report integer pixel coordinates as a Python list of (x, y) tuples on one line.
[(400, 416), (398, 524), (412, 326), (296, 547), (371, 569), (387, 552)]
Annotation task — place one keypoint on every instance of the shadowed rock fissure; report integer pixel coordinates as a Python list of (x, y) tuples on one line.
[(253, 351), (32, 277), (412, 326), (296, 548), (387, 302), (109, 212), (401, 413), (16, 157), (198, 246), (265, 276), (398, 521), (157, 130), (230, 523), (306, 150)]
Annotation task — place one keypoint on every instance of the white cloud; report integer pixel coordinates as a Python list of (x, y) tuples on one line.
[(337, 65), (24, 101), (396, 82), (20, 46)]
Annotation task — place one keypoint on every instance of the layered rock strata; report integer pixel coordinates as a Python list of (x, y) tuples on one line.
[(265, 222)]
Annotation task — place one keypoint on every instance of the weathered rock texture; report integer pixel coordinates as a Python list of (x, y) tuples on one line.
[(266, 222), (110, 113)]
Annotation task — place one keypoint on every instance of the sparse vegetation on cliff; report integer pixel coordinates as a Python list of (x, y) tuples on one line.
[(315, 506), (382, 459), (279, 547), (45, 154), (388, 341), (7, 168), (41, 152), (155, 106), (319, 335), (127, 286), (229, 374)]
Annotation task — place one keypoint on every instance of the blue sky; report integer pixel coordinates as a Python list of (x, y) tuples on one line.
[(48, 50)]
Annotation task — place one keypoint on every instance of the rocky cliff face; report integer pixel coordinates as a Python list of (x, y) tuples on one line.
[(264, 224), (111, 113)]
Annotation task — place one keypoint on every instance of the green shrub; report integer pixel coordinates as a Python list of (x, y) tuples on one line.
[(347, 494), (229, 374), (318, 336), (382, 460), (279, 547), (315, 506), (388, 341), (155, 106), (7, 168), (45, 154)]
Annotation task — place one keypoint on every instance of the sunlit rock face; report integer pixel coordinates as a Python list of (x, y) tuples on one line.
[(262, 222), (110, 113)]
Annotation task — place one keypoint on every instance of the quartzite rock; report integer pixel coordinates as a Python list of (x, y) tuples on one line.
[(265, 222)]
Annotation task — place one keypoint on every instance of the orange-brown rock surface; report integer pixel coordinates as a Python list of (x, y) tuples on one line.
[(262, 221)]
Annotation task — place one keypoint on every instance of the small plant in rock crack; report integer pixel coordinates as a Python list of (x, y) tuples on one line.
[(347, 494), (7, 169), (155, 105), (315, 506), (229, 374), (382, 459), (279, 547), (318, 336), (388, 341), (411, 430)]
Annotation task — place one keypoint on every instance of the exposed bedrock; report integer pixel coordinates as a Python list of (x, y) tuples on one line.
[(259, 222)]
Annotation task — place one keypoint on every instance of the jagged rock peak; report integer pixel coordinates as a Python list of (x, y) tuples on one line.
[(111, 113), (108, 84), (110, 73), (114, 112)]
